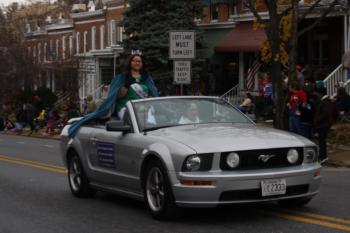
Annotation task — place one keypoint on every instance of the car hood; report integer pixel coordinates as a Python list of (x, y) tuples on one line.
[(208, 138)]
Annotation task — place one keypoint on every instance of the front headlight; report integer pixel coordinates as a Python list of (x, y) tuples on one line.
[(199, 162), (232, 160), (193, 163), (310, 155), (292, 156)]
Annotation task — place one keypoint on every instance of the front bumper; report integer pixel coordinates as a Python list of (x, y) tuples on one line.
[(243, 186)]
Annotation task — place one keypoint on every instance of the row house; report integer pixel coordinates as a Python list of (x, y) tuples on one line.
[(232, 42), (82, 52), (52, 50), (98, 36)]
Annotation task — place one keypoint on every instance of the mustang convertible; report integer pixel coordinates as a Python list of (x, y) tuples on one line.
[(177, 152)]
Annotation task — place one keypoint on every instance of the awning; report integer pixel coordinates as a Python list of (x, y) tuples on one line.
[(242, 39)]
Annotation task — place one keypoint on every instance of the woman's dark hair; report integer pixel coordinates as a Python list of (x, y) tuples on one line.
[(127, 68), (249, 96), (341, 93)]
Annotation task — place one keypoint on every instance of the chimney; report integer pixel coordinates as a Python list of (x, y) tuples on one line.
[(48, 19), (91, 5)]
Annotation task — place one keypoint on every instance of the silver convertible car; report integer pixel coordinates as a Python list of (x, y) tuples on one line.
[(177, 152)]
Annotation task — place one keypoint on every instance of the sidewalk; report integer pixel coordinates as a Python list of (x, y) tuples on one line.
[(339, 156), (39, 134)]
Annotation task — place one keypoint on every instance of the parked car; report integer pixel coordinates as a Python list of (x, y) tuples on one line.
[(176, 152)]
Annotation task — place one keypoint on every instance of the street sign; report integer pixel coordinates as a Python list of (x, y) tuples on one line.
[(182, 72), (182, 45)]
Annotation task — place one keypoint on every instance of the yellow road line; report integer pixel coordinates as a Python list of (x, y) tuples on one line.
[(299, 218), (318, 216), (31, 162), (38, 165)]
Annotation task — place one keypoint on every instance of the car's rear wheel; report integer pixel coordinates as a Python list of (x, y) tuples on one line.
[(77, 179), (295, 202), (158, 193)]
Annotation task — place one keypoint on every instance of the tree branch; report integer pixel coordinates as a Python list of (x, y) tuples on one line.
[(319, 19), (309, 10), (250, 5), (286, 11)]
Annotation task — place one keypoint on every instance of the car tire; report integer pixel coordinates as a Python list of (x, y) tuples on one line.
[(77, 179), (158, 193), (295, 202)]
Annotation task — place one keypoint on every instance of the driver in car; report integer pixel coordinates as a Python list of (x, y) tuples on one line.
[(191, 115)]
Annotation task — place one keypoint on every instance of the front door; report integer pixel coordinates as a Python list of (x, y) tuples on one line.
[(114, 158)]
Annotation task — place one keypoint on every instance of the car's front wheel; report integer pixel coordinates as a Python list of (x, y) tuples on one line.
[(295, 202), (158, 194), (78, 182)]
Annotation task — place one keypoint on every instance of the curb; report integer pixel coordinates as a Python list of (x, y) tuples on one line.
[(32, 136)]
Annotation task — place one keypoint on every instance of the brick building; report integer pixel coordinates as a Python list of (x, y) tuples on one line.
[(230, 38), (81, 52), (93, 40)]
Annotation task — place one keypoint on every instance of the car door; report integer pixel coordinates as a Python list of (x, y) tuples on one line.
[(114, 157)]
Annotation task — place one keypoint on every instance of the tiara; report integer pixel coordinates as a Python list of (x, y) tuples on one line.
[(138, 52)]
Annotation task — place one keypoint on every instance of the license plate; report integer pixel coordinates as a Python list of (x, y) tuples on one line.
[(273, 187)]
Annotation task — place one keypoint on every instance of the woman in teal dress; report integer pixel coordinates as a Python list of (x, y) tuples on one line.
[(134, 83)]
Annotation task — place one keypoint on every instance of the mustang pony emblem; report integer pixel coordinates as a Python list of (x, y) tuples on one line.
[(265, 158)]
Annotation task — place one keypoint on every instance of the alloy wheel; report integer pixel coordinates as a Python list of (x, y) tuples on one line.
[(155, 189)]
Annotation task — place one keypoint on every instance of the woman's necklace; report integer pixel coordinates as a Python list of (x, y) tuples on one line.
[(137, 77)]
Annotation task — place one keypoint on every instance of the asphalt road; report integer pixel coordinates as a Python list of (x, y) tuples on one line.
[(35, 198)]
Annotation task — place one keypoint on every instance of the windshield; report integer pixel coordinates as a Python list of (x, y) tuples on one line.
[(155, 114)]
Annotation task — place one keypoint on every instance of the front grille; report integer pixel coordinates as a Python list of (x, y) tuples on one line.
[(255, 194), (250, 159)]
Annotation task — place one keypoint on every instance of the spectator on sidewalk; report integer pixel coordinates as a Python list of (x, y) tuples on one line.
[(72, 111), (342, 100), (307, 112), (91, 106), (8, 124), (41, 119), (297, 98), (20, 120), (246, 104), (29, 118), (52, 122), (324, 118)]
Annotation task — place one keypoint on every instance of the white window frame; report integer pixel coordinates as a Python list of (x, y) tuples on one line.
[(39, 51), (102, 37), (34, 52), (64, 47), (112, 31), (70, 45), (93, 38), (57, 47), (77, 43), (120, 37), (85, 41), (51, 45), (45, 52)]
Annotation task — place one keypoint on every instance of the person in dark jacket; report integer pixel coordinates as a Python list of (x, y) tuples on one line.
[(324, 118), (343, 100), (307, 113)]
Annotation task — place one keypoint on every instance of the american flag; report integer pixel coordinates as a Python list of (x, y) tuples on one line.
[(253, 69)]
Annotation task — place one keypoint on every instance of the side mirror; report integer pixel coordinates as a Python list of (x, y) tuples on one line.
[(115, 125)]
